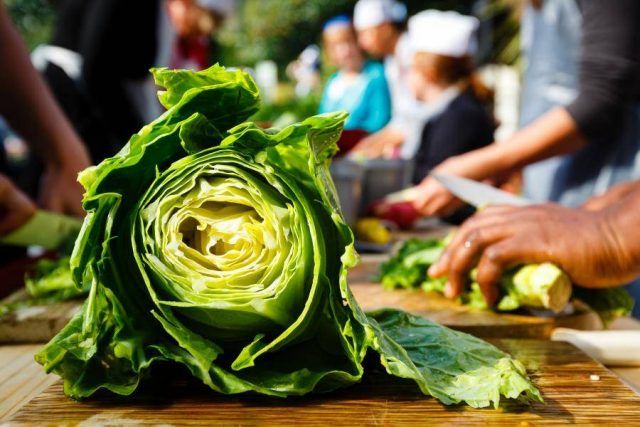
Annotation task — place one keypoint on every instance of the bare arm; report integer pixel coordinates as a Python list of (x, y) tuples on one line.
[(553, 134), (30, 108), (380, 144)]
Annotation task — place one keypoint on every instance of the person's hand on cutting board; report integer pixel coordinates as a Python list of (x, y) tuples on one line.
[(29, 107), (432, 198), (15, 207), (596, 249), (382, 144)]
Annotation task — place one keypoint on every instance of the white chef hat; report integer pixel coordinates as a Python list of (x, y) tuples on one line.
[(371, 13), (443, 33), (221, 7)]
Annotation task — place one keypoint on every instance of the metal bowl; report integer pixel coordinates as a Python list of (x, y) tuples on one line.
[(347, 176), (382, 177)]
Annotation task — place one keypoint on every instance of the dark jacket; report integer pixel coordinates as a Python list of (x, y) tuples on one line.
[(463, 126)]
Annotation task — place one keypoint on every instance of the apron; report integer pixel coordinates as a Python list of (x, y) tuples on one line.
[(551, 39)]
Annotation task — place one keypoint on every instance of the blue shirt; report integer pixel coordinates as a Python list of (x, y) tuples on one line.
[(366, 98)]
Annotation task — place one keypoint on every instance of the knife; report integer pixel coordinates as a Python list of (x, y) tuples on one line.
[(478, 194), (47, 229), (611, 348)]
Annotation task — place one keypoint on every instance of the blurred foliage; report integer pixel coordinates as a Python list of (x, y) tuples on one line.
[(33, 19), (287, 109), (503, 17), (281, 29)]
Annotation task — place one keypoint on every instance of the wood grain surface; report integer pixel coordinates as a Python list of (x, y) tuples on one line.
[(575, 388), (37, 323), (21, 378)]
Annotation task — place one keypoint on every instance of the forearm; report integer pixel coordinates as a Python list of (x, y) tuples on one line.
[(622, 221), (553, 134), (28, 105)]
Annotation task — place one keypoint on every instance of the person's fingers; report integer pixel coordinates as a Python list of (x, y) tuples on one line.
[(424, 197), (439, 204), (499, 256), (462, 258), (472, 226), (16, 206), (51, 201), (74, 204), (492, 210)]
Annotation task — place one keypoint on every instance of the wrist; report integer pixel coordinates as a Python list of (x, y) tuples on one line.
[(618, 225), (478, 165), (73, 158)]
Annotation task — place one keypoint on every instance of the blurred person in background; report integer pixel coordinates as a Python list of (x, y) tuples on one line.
[(549, 42), (99, 55), (30, 109), (305, 71), (598, 132), (195, 23), (15, 207), (379, 24), (444, 77), (359, 86)]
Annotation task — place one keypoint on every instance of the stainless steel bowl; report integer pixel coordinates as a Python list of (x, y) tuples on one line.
[(382, 177), (347, 176)]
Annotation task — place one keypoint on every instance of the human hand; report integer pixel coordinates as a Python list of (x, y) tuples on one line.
[(432, 198), (60, 190), (382, 144), (594, 248), (15, 207), (613, 195)]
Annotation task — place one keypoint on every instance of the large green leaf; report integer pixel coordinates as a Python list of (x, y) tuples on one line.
[(220, 246)]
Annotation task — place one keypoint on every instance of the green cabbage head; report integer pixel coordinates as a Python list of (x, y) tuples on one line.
[(219, 246)]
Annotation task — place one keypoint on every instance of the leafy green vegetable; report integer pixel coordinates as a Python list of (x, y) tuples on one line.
[(49, 281), (450, 365), (535, 285), (220, 246), (608, 303), (408, 268)]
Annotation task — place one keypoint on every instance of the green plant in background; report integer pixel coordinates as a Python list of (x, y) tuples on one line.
[(280, 29), (219, 246), (33, 19)]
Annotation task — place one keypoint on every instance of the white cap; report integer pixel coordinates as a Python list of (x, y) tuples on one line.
[(443, 33), (222, 7), (371, 13)]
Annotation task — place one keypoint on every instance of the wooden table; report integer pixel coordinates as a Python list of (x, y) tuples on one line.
[(576, 390), (563, 373), (21, 378), (483, 323)]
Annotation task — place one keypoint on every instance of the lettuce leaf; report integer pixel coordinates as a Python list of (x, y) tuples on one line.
[(220, 246)]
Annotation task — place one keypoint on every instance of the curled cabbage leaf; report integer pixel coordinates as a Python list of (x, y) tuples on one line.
[(216, 245)]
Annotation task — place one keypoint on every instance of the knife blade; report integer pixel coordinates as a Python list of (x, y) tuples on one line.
[(611, 348), (478, 194), (47, 229)]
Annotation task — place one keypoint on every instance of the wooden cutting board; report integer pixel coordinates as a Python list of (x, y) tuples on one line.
[(576, 390), (40, 323), (37, 323), (482, 323)]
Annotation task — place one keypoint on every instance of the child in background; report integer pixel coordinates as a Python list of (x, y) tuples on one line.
[(359, 86), (443, 76)]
